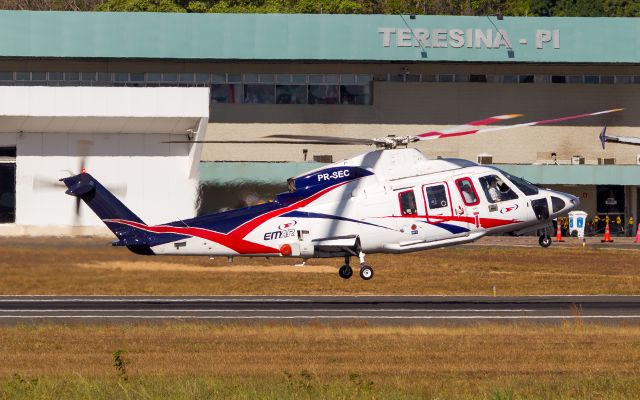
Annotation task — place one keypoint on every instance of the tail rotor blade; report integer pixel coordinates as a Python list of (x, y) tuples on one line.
[(603, 136)]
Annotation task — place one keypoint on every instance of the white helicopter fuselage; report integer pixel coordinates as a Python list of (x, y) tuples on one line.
[(402, 202)]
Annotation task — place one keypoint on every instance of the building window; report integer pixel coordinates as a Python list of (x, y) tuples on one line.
[(185, 77), (227, 93), (88, 76), (121, 77), (558, 79), (136, 77), (104, 76), (38, 76), (323, 94), (259, 94), (299, 78), (170, 77), (477, 78), (355, 94), (412, 78), (591, 79), (445, 78), (428, 78), (23, 76), (202, 78), (510, 79), (607, 79), (154, 76), (291, 94), (72, 76), (624, 79), (525, 79)]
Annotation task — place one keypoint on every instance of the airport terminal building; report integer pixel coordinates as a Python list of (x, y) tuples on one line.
[(339, 75)]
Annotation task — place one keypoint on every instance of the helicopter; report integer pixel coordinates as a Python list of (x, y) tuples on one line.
[(389, 200), (631, 140)]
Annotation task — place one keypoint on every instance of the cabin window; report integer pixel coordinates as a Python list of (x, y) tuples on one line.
[(437, 197), (467, 191), (496, 189), (408, 203)]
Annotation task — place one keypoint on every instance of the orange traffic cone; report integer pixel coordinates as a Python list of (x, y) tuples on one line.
[(637, 235), (607, 235), (559, 233)]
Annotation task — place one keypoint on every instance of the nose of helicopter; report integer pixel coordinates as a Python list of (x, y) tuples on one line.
[(562, 203)]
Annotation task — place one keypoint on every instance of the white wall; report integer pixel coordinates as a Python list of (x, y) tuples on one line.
[(124, 129), (156, 176)]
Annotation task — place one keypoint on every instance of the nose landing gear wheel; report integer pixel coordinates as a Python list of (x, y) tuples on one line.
[(345, 272), (366, 272), (544, 240)]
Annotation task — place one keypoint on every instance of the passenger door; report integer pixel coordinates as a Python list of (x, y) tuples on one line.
[(439, 213)]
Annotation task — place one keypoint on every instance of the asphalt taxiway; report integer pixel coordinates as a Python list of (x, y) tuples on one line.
[(373, 309)]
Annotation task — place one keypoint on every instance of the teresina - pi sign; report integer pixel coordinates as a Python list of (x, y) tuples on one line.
[(464, 38)]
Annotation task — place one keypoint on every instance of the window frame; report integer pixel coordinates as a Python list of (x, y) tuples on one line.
[(473, 187), (426, 205), (415, 203)]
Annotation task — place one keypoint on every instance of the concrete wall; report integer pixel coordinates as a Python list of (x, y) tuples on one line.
[(411, 108), (151, 178), (157, 181)]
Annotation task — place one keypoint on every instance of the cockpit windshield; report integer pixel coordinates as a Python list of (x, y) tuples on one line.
[(528, 188)]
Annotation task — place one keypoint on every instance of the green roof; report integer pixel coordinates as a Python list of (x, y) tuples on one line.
[(309, 37)]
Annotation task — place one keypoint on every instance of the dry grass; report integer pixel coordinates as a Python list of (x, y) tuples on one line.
[(57, 266), (573, 360)]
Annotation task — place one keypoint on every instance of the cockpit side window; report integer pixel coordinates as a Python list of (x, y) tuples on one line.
[(467, 191), (496, 189), (407, 200), (526, 187)]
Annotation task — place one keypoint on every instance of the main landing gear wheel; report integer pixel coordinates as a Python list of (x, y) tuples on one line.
[(366, 272), (544, 240), (345, 272)]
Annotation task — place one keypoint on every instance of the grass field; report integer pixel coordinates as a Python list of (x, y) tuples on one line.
[(575, 360), (185, 360), (91, 266)]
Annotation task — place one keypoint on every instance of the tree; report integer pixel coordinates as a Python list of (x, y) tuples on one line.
[(621, 8), (141, 5), (578, 8)]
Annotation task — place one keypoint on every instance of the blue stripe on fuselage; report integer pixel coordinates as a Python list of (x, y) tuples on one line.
[(451, 228)]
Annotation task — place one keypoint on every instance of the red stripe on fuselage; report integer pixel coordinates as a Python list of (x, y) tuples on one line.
[(238, 245), (246, 228), (484, 222), (234, 240)]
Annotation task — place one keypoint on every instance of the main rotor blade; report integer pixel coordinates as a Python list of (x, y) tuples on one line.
[(323, 139), (298, 139), (442, 135)]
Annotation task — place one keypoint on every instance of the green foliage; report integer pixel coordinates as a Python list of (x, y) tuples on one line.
[(120, 364), (141, 5), (578, 8), (329, 7), (568, 8), (621, 8)]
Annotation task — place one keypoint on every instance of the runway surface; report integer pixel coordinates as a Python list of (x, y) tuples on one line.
[(374, 309)]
